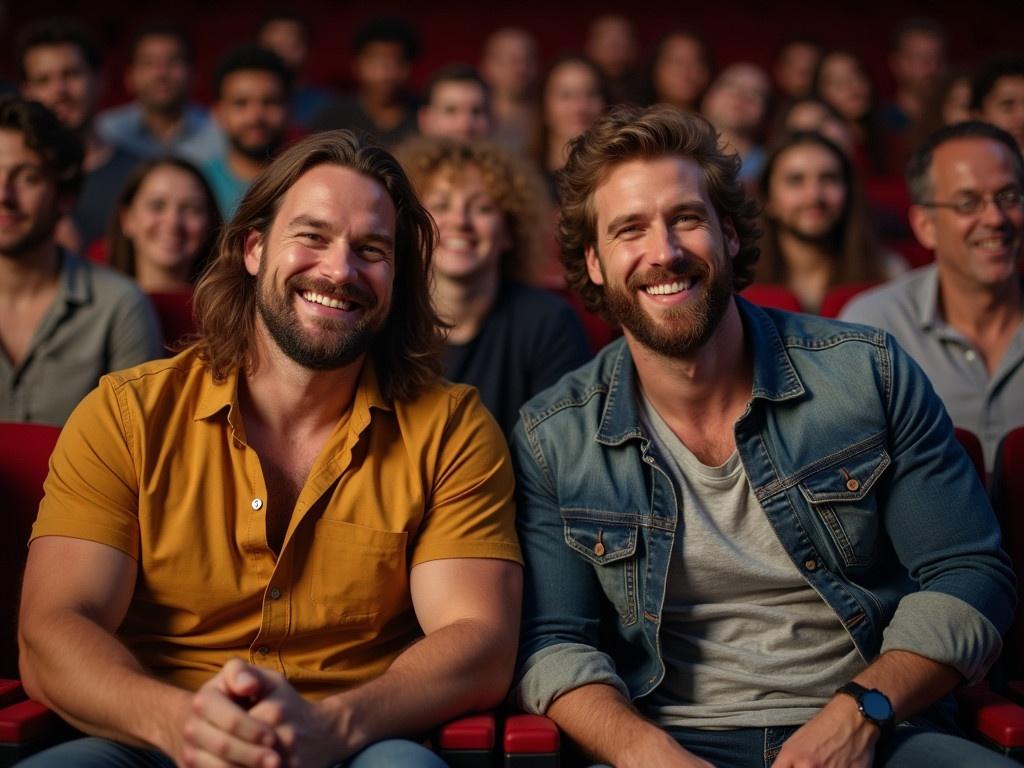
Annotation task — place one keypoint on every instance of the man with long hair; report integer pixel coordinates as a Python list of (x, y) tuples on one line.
[(750, 536), (292, 541)]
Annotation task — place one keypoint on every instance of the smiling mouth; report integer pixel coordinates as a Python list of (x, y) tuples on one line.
[(667, 289), (328, 301)]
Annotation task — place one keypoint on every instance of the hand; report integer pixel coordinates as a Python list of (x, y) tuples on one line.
[(217, 731), (838, 736), (309, 734)]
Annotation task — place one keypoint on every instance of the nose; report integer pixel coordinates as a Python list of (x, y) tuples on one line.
[(666, 249), (337, 263), (992, 213)]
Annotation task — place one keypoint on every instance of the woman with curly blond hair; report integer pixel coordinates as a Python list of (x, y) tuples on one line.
[(508, 339)]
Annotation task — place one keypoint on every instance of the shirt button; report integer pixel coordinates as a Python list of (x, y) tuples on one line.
[(649, 459), (970, 354), (275, 593), (257, 504), (263, 650), (811, 565), (599, 549), (852, 484)]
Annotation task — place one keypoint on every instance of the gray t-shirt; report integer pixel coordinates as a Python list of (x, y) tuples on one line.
[(745, 639)]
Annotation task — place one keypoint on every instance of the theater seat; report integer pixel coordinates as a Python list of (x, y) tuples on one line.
[(773, 296), (838, 295), (1008, 499), (175, 313)]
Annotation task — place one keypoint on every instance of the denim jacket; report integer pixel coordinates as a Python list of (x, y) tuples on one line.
[(853, 459)]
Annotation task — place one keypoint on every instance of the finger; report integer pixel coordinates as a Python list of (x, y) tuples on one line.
[(225, 715), (213, 747), (241, 680)]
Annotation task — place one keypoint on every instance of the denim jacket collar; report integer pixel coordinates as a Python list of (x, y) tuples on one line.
[(775, 378)]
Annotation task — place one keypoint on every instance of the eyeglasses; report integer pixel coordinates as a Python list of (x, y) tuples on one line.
[(972, 204)]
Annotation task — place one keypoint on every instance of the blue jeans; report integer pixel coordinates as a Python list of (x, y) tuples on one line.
[(101, 753)]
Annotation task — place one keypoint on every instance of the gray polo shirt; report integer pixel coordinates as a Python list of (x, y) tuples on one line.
[(908, 308), (99, 322)]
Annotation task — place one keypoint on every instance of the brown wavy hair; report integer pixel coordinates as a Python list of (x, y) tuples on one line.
[(406, 352), (514, 184), (629, 133)]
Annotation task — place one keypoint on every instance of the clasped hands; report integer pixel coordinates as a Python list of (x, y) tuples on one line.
[(247, 716)]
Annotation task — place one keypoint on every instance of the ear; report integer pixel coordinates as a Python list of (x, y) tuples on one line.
[(253, 252), (125, 220), (215, 111), (593, 265), (922, 223), (423, 119), (730, 238)]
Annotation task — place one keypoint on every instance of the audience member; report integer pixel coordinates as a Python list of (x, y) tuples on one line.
[(505, 338), (962, 318), (997, 94), (381, 108), (917, 62), (948, 103), (59, 66), (611, 44), (164, 226), (680, 70), (812, 115), (64, 322), (291, 542), (456, 104), (510, 66), (572, 98), (736, 103), (794, 67), (161, 120), (287, 34), (817, 232), (252, 89), (842, 82), (750, 536)]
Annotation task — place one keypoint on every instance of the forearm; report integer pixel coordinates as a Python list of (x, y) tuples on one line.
[(911, 682), (81, 671)]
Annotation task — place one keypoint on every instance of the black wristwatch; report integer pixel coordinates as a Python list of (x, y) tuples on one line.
[(873, 705)]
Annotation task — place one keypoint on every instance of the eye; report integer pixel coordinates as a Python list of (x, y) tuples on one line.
[(312, 237), (372, 252)]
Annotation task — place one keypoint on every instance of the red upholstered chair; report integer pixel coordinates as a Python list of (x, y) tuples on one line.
[(774, 296), (25, 449), (837, 297), (175, 313), (599, 332), (531, 741), (1008, 498), (972, 446)]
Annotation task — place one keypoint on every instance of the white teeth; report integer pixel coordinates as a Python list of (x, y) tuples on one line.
[(669, 288), (991, 242), (456, 242), (327, 301)]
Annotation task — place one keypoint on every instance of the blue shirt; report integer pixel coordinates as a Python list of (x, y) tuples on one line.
[(198, 141), (227, 188), (850, 454)]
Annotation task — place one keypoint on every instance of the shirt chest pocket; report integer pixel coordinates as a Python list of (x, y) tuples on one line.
[(843, 495), (611, 547)]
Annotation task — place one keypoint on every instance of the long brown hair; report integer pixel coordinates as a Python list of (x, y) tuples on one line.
[(406, 351)]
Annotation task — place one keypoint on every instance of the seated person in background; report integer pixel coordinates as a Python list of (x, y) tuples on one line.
[(510, 65), (505, 338), (917, 62), (287, 34), (750, 536), (161, 121), (64, 322), (456, 104), (817, 233), (736, 103), (251, 86), (611, 44), (291, 542), (164, 226), (680, 70), (997, 94), (809, 114), (383, 51), (794, 67), (962, 318), (59, 65)]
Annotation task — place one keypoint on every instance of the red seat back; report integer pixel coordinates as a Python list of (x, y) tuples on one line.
[(972, 445), (24, 461), (837, 297), (175, 313), (774, 296), (1008, 495)]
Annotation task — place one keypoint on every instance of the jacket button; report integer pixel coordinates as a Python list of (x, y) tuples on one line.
[(599, 549), (810, 565), (852, 484)]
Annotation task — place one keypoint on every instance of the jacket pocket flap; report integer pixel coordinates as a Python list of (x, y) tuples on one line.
[(848, 480), (601, 542)]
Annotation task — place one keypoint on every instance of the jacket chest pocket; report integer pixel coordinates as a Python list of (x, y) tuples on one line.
[(844, 498), (610, 547)]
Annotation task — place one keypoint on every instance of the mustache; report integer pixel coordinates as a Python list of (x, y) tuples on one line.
[(679, 269), (346, 292)]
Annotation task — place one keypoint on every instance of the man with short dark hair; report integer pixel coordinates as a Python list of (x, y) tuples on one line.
[(456, 104), (59, 65), (962, 317), (64, 322), (383, 51), (287, 34), (510, 64), (997, 94), (750, 536), (161, 120), (292, 543), (917, 60), (252, 88)]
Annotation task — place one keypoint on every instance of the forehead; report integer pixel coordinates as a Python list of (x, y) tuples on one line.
[(169, 178), (153, 46), (14, 151), (807, 156), (53, 55), (744, 76), (1008, 85), (251, 80), (970, 163), (342, 197), (458, 90), (647, 184), (449, 176)]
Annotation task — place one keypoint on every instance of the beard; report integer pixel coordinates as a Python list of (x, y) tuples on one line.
[(682, 330), (260, 152), (338, 344), (39, 233)]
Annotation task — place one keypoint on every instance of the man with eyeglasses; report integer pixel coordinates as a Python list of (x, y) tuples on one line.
[(962, 318)]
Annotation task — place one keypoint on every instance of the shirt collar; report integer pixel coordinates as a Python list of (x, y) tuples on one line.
[(926, 299)]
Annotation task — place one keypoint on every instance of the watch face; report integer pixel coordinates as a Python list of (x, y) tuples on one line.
[(876, 706)]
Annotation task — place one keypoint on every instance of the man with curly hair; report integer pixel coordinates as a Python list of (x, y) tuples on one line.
[(750, 536)]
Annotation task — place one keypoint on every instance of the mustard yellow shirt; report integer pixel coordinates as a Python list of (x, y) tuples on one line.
[(154, 462)]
